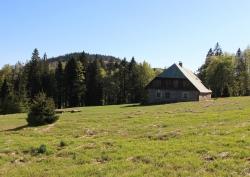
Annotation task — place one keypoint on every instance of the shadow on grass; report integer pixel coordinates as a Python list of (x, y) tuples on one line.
[(15, 129), (141, 105)]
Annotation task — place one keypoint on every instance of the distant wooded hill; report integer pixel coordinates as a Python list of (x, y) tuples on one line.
[(90, 57)]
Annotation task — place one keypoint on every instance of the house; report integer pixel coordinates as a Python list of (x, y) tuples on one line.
[(176, 84)]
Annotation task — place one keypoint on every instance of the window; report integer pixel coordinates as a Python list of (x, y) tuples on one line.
[(185, 95), (167, 95), (158, 93)]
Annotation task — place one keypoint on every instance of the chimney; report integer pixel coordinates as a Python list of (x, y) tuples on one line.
[(180, 63)]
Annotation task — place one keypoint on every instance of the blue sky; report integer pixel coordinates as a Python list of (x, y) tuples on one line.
[(159, 31)]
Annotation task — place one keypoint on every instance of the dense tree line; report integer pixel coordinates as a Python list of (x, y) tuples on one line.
[(226, 74), (74, 81)]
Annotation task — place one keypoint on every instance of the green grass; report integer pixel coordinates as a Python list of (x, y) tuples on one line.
[(210, 138)]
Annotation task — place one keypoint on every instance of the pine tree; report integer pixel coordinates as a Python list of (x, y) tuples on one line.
[(74, 83), (47, 77), (217, 50), (8, 102), (94, 84), (241, 74), (210, 52), (84, 61), (5, 90), (133, 82), (19, 86), (59, 76), (42, 111), (123, 77), (34, 83)]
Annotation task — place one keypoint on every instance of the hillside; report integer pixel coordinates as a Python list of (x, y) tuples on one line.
[(90, 57), (210, 138)]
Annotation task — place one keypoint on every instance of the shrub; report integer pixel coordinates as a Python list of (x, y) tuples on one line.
[(42, 111), (42, 149), (62, 143)]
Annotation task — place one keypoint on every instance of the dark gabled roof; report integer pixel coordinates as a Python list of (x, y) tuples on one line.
[(172, 72), (179, 72)]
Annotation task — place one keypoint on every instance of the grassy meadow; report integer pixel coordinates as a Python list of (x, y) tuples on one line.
[(209, 138)]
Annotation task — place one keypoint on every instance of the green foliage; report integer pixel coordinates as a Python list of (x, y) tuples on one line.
[(74, 83), (10, 106), (5, 73), (42, 111), (9, 103), (226, 74), (94, 83), (34, 70), (220, 76), (59, 77), (76, 79), (146, 74)]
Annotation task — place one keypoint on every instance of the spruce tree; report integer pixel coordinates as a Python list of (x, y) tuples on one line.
[(217, 50), (74, 83), (210, 52), (5, 90), (47, 77), (123, 74), (42, 111), (241, 74), (8, 103), (34, 83), (133, 82), (59, 76), (94, 84)]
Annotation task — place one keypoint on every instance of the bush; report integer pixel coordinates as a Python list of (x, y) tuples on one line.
[(42, 111), (42, 149), (62, 143)]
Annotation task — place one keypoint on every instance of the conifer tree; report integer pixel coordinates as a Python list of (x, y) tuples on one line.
[(34, 84), (47, 77), (8, 103), (5, 90), (241, 75), (59, 76), (123, 75), (217, 50), (74, 83), (94, 84), (133, 82)]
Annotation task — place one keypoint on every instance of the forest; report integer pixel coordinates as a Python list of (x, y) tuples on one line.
[(81, 79), (73, 80), (226, 74)]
